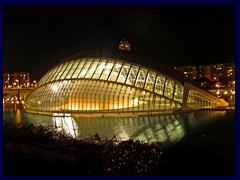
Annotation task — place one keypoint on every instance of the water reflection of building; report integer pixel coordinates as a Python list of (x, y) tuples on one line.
[(66, 125), (155, 128), (165, 128)]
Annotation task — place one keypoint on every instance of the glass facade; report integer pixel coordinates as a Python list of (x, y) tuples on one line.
[(104, 85), (197, 100)]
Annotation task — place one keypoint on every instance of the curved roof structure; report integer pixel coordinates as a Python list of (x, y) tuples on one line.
[(107, 81)]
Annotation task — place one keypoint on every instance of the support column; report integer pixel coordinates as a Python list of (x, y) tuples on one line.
[(185, 96)]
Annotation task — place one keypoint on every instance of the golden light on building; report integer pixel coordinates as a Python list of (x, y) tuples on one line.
[(124, 45), (96, 83)]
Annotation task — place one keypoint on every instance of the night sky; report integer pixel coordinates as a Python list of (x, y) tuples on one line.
[(36, 37)]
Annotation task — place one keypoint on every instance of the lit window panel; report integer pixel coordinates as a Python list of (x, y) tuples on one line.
[(159, 85), (99, 69), (178, 94), (123, 74), (73, 68), (115, 71), (149, 85), (65, 72), (85, 69), (169, 87), (55, 74), (106, 71), (141, 78), (78, 68), (132, 75), (45, 77), (92, 69), (61, 71)]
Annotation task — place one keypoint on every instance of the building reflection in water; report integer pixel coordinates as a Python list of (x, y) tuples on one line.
[(66, 125), (155, 128), (202, 118), (166, 128), (18, 117)]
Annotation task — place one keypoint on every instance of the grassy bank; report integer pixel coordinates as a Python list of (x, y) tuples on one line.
[(30, 150)]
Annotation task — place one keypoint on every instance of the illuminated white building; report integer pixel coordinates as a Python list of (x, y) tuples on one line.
[(107, 82)]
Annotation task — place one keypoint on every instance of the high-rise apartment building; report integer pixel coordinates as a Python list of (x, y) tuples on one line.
[(16, 80), (24, 79), (6, 80), (214, 72), (188, 71), (226, 70), (203, 71)]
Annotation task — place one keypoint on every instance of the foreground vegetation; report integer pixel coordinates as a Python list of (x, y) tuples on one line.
[(30, 150)]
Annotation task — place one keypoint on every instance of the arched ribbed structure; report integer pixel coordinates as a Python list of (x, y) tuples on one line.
[(102, 82)]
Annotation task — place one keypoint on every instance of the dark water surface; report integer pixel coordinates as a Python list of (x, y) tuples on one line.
[(165, 128), (198, 143)]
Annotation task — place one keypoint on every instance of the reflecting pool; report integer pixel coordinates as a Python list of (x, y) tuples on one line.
[(169, 128)]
